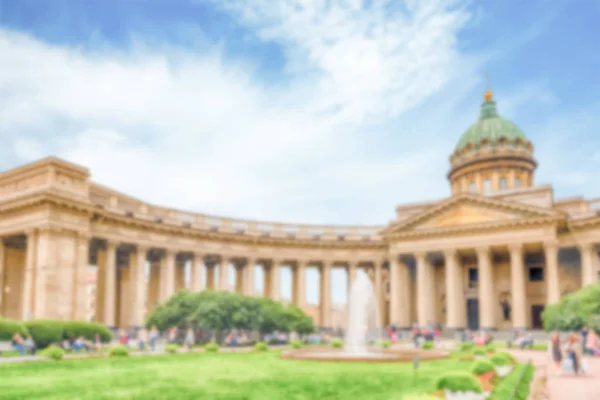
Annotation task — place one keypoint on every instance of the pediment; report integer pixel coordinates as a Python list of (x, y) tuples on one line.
[(467, 210)]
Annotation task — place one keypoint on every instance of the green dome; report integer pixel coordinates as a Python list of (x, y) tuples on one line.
[(490, 127)]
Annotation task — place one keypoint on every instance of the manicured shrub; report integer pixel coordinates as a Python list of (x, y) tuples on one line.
[(507, 356), (499, 360), (297, 344), (459, 382), (386, 344), (420, 397), (506, 386), (53, 352), (8, 327), (261, 346), (211, 347), (428, 345), (466, 346), (45, 332), (490, 348), (119, 351), (86, 329), (479, 352), (337, 343), (172, 348), (482, 367)]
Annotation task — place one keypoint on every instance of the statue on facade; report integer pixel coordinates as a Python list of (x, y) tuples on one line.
[(505, 309)]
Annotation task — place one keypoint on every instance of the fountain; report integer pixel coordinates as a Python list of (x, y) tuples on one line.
[(362, 324)]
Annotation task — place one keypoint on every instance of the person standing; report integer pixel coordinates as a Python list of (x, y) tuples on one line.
[(153, 337), (584, 334), (574, 353), (556, 350), (190, 339)]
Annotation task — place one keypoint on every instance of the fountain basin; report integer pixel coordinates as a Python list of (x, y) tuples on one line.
[(371, 355)]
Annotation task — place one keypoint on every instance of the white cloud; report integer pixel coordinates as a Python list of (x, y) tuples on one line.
[(198, 131)]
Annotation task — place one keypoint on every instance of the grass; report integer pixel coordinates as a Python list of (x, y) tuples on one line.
[(241, 376)]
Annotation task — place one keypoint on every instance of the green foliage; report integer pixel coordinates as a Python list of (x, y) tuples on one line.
[(9, 327), (479, 352), (506, 386), (490, 348), (86, 329), (500, 360), (459, 382), (172, 348), (507, 356), (420, 397), (261, 346), (482, 367), (385, 344), (119, 351), (428, 345), (337, 343), (297, 344), (211, 347), (466, 346), (45, 332), (53, 352), (574, 311), (224, 311)]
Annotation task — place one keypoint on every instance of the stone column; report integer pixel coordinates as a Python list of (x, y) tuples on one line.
[(352, 268), (210, 275), (425, 290), (168, 275), (224, 274), (82, 263), (486, 288), (404, 297), (326, 294), (249, 277), (588, 252), (455, 294), (239, 278), (517, 280), (395, 306), (274, 280), (378, 269), (197, 264), (139, 287), (551, 255), (110, 284), (300, 284), (28, 277)]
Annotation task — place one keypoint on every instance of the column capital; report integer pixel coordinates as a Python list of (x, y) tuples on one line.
[(198, 256), (515, 247), (142, 248), (551, 245), (450, 252), (586, 247), (420, 255), (303, 263), (483, 251), (112, 242)]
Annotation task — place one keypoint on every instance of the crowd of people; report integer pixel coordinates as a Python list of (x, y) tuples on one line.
[(568, 356)]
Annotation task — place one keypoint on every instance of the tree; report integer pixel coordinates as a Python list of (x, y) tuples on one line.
[(574, 311), (176, 311), (298, 321)]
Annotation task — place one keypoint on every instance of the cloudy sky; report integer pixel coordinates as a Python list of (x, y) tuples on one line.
[(331, 111)]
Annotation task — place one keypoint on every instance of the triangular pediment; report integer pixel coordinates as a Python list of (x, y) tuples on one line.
[(470, 210)]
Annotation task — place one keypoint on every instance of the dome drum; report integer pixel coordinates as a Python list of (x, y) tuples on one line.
[(492, 155)]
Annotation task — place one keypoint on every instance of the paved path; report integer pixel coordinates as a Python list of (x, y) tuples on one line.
[(566, 386)]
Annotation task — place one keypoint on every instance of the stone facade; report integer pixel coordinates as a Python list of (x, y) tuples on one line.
[(490, 255)]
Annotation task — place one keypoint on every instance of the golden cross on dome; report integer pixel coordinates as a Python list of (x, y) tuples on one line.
[(488, 93)]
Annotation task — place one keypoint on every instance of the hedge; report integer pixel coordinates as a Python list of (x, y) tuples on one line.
[(506, 386), (459, 382), (9, 327), (46, 332)]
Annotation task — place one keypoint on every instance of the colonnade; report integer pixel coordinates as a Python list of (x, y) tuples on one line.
[(124, 295)]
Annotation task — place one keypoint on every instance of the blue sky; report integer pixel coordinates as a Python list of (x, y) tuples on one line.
[(301, 111)]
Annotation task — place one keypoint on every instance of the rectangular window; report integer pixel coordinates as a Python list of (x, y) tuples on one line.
[(472, 187), (473, 275), (503, 185), (517, 183), (487, 186), (536, 274)]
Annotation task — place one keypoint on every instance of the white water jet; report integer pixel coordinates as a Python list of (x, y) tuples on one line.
[(362, 315)]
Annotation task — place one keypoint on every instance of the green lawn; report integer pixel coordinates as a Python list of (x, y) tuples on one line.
[(220, 376)]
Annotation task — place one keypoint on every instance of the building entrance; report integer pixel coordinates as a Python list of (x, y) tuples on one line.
[(473, 314), (536, 317)]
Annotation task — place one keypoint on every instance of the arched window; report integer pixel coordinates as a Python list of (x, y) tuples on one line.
[(472, 187), (517, 183), (487, 185)]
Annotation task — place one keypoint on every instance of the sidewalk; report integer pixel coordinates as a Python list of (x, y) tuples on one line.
[(567, 386)]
